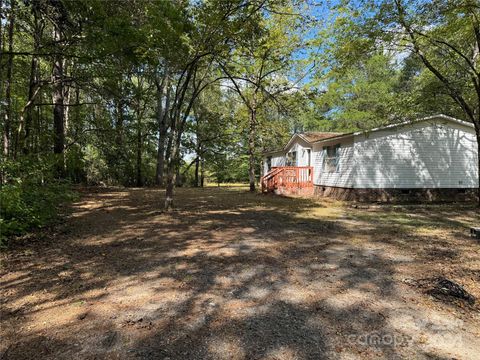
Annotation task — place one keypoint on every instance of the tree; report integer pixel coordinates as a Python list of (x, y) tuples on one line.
[(58, 81), (213, 130), (260, 69), (8, 82), (219, 27), (120, 92), (163, 93), (361, 96)]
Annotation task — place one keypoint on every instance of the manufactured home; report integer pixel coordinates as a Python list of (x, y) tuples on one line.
[(433, 158)]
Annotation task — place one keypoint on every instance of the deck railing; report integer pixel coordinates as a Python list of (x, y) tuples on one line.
[(288, 177)]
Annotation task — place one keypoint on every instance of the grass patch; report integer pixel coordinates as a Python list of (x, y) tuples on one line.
[(420, 217)]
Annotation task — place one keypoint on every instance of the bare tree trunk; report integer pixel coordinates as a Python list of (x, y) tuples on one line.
[(76, 114), (197, 148), (251, 144), (119, 124), (178, 177), (477, 133), (174, 154), (202, 173), (177, 125), (8, 84), (139, 158), (172, 165), (168, 149), (119, 135), (159, 173), (2, 177), (171, 177), (139, 180), (197, 168), (1, 51), (41, 141), (1, 85), (27, 146), (23, 134), (66, 97), (58, 107), (20, 141), (162, 117), (169, 193)]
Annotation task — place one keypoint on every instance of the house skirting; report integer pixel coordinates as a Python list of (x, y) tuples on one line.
[(308, 191), (397, 195)]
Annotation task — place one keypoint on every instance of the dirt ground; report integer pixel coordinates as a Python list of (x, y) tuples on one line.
[(234, 275)]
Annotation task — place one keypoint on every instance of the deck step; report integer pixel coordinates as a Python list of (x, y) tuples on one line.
[(288, 179)]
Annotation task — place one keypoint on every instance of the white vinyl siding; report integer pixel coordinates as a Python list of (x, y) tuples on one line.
[(429, 154), (302, 148), (424, 155), (342, 176), (278, 159), (303, 155)]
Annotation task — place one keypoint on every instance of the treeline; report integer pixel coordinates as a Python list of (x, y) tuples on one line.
[(142, 92), (138, 93)]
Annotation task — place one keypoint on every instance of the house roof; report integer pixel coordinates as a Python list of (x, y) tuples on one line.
[(309, 137), (392, 126), (274, 151), (313, 136), (318, 137)]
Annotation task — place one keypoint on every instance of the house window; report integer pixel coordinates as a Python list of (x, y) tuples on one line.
[(292, 158), (331, 160), (269, 163)]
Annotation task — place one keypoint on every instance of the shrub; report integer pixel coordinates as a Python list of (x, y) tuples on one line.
[(29, 197)]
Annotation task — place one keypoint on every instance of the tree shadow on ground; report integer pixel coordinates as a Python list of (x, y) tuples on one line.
[(227, 275)]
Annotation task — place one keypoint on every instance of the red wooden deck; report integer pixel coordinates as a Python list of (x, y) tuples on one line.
[(288, 179)]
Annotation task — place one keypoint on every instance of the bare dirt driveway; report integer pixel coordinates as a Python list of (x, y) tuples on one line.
[(233, 275)]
